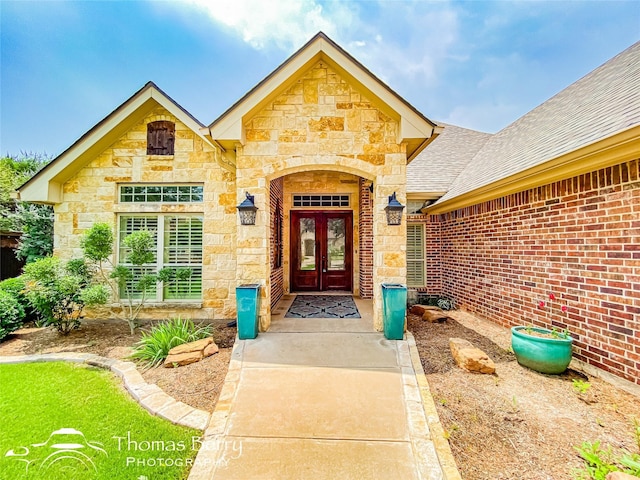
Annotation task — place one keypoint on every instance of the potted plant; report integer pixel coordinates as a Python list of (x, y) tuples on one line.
[(541, 349)]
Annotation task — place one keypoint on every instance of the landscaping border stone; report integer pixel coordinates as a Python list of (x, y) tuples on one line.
[(442, 448), (151, 397)]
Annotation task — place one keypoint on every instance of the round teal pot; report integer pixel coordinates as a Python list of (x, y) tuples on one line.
[(544, 355)]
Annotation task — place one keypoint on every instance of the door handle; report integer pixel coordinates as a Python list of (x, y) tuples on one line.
[(324, 264)]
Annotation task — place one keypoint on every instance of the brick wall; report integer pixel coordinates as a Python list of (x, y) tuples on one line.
[(579, 239), (365, 226), (277, 273)]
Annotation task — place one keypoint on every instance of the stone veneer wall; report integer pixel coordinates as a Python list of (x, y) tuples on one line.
[(276, 195), (365, 231), (577, 238), (321, 123), (92, 196)]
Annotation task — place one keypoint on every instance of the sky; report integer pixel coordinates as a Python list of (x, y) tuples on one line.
[(65, 65)]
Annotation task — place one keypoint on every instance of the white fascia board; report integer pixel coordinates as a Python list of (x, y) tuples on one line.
[(230, 126), (34, 191), (46, 187)]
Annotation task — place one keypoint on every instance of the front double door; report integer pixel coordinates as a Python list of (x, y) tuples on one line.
[(321, 250)]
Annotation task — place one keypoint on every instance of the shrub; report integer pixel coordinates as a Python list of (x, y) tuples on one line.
[(154, 345), (130, 289), (11, 314), (16, 288), (60, 292)]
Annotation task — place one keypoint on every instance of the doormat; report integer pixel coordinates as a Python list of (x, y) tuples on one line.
[(323, 306)]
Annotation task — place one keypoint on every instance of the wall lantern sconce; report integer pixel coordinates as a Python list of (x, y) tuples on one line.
[(247, 211), (394, 211)]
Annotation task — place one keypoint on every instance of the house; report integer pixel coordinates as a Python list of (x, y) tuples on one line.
[(550, 204)]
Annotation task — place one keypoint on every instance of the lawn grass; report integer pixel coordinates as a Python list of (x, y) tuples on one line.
[(37, 399)]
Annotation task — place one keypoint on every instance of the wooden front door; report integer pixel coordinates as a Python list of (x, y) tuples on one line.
[(321, 250)]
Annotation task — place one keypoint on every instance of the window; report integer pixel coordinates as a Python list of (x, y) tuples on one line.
[(161, 193), (321, 200), (160, 138), (179, 246), (415, 255)]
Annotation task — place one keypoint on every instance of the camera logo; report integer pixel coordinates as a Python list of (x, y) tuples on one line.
[(66, 450)]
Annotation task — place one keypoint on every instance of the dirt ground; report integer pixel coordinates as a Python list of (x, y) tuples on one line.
[(197, 384), (516, 424)]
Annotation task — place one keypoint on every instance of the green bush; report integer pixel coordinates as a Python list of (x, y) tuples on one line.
[(16, 288), (154, 345), (61, 291), (11, 314)]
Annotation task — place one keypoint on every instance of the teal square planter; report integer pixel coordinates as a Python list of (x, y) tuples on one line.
[(248, 308), (394, 310)]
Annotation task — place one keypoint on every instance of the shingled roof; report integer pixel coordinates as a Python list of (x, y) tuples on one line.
[(438, 165), (601, 104)]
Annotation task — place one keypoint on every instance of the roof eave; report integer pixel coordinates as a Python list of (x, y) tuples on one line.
[(415, 128), (620, 147), (46, 185)]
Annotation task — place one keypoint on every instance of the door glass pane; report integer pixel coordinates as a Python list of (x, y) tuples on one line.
[(336, 243), (307, 244)]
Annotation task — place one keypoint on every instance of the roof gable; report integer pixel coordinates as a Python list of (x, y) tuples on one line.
[(415, 128), (592, 111), (46, 185)]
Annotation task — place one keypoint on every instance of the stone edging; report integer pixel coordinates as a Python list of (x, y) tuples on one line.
[(213, 438), (443, 450), (151, 397)]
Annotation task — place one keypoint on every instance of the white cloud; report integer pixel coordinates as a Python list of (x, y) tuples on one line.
[(401, 42), (287, 24)]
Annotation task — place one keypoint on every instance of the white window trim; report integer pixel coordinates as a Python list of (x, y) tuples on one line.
[(160, 264), (161, 185)]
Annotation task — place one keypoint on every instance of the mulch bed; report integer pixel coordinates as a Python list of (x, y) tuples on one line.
[(516, 424)]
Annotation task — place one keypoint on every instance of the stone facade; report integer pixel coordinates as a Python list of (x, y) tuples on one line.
[(92, 196), (321, 123)]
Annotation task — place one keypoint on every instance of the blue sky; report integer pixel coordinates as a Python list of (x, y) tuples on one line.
[(65, 65)]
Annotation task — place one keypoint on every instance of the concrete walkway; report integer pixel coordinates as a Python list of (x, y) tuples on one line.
[(321, 399)]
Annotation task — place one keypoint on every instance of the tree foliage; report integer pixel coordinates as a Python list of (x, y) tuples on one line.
[(36, 224), (35, 221)]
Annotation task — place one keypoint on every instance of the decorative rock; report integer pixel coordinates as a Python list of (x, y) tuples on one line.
[(620, 476), (435, 316), (210, 349), (198, 345), (190, 352), (469, 357), (430, 313), (420, 309), (180, 359)]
